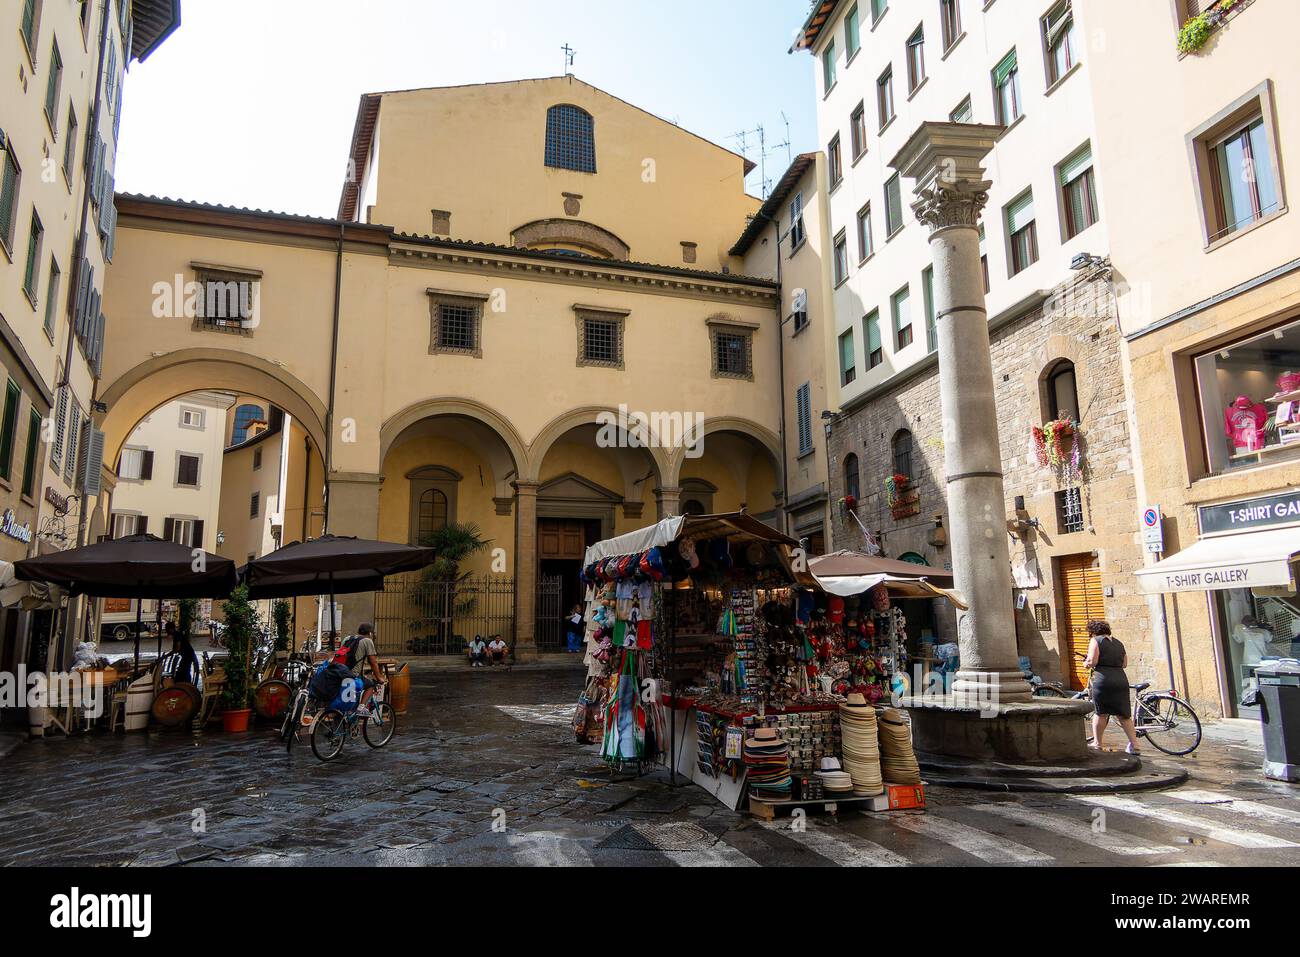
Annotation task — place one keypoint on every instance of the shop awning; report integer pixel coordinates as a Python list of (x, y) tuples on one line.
[(847, 573), (734, 526), (1245, 560)]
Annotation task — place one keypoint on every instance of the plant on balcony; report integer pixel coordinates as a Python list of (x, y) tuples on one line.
[(1196, 31), (849, 502), (1059, 446)]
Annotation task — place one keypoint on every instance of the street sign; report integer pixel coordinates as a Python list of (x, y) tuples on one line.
[(1153, 529)]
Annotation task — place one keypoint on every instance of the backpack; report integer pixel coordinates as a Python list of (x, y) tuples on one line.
[(328, 680), (347, 653)]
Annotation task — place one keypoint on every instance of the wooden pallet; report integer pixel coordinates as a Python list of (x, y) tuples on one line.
[(767, 810)]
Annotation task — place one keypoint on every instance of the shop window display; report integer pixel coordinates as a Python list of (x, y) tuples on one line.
[(1250, 400), (1256, 624)]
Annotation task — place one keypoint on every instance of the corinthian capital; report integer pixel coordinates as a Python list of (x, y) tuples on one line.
[(957, 203)]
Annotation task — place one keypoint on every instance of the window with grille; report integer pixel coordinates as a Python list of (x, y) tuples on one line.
[(254, 505), (570, 139), (600, 345), (228, 301), (1069, 511), (731, 353), (456, 327), (903, 453)]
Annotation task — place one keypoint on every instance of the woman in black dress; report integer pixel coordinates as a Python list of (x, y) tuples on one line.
[(1110, 689)]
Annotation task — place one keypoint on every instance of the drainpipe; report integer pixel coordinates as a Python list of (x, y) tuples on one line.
[(334, 365), (780, 356)]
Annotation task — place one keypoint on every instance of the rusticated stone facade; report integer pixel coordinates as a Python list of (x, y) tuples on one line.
[(1076, 323)]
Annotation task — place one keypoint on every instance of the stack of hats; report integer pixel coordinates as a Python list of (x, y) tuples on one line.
[(767, 758), (897, 759), (861, 747), (834, 780)]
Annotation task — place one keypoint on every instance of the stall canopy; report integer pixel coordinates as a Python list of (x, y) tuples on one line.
[(137, 566), (851, 573), (737, 526), (1244, 560), (26, 595), (333, 564)]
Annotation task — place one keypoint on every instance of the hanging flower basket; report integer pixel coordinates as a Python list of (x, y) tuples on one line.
[(1058, 445), (849, 503)]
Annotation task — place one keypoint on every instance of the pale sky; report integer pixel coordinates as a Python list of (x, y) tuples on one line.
[(251, 102)]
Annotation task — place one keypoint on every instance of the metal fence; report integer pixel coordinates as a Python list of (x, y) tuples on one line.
[(414, 616)]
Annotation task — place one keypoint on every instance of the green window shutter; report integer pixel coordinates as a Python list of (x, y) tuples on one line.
[(94, 461), (872, 325), (1004, 69), (1075, 166), (33, 446), (8, 191), (846, 350), (8, 426), (1020, 213), (60, 428)]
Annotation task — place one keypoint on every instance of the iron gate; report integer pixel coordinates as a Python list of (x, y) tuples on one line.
[(415, 616), (549, 622)]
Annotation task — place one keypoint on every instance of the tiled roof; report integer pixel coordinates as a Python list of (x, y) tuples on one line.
[(767, 213), (152, 21), (818, 17)]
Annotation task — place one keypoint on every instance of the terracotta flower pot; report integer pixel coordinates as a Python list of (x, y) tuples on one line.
[(236, 720)]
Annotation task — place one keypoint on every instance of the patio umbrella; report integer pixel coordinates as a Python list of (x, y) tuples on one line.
[(333, 564), (137, 566)]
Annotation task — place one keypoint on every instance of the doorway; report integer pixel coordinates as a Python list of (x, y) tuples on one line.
[(561, 543), (1082, 599)]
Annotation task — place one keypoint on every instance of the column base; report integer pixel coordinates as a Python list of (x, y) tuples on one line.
[(525, 651), (991, 687), (1035, 732)]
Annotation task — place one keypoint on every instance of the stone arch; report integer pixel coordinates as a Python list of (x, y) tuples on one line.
[(507, 454), (160, 379), (572, 232), (590, 415), (761, 435)]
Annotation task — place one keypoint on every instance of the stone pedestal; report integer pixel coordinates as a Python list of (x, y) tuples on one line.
[(1035, 732)]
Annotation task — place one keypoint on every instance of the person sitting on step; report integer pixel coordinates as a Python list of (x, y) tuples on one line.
[(477, 652)]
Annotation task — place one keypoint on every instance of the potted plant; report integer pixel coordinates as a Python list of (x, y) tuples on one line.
[(280, 616), (241, 626), (849, 502), (903, 500)]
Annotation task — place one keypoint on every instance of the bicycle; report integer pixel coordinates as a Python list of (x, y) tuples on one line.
[(1163, 718), (331, 728)]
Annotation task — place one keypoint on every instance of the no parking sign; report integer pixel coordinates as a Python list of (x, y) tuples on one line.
[(1153, 529)]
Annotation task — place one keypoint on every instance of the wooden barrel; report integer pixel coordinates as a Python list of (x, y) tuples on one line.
[(175, 705), (139, 699), (272, 697), (399, 687)]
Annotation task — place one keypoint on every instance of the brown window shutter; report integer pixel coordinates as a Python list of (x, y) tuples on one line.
[(168, 526), (146, 466), (197, 540), (142, 522)]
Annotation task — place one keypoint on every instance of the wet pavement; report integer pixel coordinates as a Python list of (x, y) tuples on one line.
[(484, 770)]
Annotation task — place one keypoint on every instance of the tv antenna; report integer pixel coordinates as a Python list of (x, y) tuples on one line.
[(764, 150)]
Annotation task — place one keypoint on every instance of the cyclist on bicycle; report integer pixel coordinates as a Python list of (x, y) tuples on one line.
[(360, 655)]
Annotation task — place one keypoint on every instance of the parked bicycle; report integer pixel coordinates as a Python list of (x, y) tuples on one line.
[(1163, 718)]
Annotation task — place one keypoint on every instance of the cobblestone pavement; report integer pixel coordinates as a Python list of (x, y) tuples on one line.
[(479, 745)]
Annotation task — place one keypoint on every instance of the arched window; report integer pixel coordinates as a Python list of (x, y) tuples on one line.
[(432, 512), (244, 416), (902, 445), (851, 475), (570, 140), (1062, 394), (693, 506)]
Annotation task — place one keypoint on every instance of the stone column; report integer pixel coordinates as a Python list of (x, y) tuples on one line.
[(354, 510), (525, 571), (945, 160), (668, 501)]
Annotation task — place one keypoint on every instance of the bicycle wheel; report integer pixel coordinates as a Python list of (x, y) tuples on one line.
[(328, 732), (1169, 723), (378, 729), (1049, 691)]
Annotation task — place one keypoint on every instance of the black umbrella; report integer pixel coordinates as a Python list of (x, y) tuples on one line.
[(333, 564), (137, 566)]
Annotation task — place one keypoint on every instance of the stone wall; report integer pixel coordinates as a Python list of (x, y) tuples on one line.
[(1075, 323)]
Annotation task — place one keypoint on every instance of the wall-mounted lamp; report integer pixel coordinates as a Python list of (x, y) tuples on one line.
[(939, 537)]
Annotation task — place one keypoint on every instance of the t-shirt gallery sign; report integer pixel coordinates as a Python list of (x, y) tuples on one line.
[(1252, 568)]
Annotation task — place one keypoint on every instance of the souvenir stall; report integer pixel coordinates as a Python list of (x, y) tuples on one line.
[(761, 683)]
